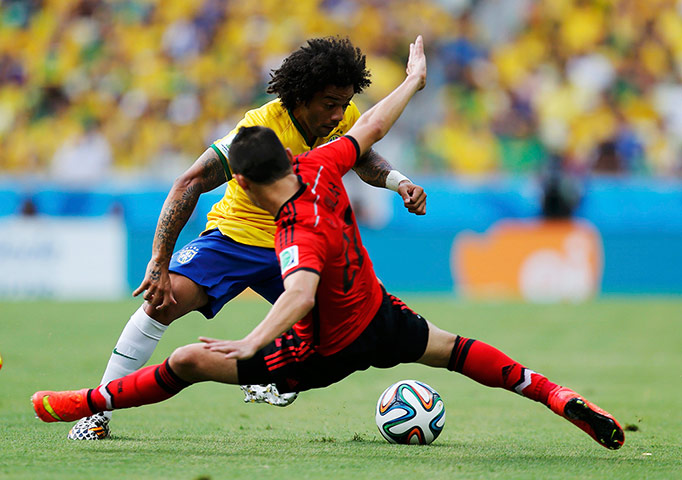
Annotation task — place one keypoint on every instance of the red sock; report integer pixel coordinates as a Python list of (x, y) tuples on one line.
[(151, 384), (489, 366)]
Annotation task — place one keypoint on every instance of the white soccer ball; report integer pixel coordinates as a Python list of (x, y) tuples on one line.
[(410, 412)]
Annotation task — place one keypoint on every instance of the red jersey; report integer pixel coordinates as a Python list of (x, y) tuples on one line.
[(317, 231)]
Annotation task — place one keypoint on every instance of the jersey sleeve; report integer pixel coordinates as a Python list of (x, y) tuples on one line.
[(340, 155), (222, 145), (303, 251)]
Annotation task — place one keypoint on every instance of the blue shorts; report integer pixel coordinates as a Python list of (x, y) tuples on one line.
[(225, 268)]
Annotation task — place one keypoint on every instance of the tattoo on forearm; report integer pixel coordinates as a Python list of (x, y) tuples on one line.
[(174, 217), (373, 169), (176, 211)]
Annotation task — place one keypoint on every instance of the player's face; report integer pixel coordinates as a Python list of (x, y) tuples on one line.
[(324, 112)]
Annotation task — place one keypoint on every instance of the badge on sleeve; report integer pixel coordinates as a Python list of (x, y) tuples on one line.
[(288, 258)]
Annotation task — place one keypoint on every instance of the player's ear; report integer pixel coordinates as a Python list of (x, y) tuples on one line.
[(290, 154), (241, 181)]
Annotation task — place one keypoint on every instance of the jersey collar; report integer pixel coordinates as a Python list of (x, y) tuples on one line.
[(309, 141), (298, 193)]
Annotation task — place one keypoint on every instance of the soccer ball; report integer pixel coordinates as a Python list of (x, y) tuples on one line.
[(410, 412)]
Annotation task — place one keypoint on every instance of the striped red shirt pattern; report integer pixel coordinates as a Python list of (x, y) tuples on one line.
[(317, 231)]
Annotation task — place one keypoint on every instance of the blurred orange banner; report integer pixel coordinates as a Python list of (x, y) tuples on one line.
[(536, 261)]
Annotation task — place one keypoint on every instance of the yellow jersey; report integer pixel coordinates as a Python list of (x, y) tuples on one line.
[(235, 215)]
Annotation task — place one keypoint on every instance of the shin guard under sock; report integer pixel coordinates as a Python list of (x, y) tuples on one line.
[(151, 384), (489, 366)]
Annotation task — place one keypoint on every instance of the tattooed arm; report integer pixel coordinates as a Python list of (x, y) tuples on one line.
[(203, 176), (375, 123), (373, 169)]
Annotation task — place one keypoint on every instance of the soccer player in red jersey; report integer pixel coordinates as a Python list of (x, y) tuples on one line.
[(315, 86), (334, 317)]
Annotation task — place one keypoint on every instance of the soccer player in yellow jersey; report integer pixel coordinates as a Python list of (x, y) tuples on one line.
[(235, 215), (315, 334), (315, 86)]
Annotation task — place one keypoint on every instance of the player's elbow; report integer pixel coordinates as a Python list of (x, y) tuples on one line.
[(185, 182), (368, 132), (307, 301), (304, 299), (376, 130)]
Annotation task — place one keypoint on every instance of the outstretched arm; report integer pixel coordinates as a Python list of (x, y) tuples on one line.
[(375, 170), (375, 123), (296, 301), (204, 175), (378, 120)]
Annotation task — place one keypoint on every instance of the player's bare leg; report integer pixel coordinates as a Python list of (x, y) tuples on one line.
[(136, 344), (187, 365), (138, 341), (190, 297), (252, 393), (184, 360), (489, 366)]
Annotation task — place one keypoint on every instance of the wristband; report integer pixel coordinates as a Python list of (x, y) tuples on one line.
[(394, 178)]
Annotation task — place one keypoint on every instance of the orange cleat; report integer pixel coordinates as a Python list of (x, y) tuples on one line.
[(65, 406), (588, 417)]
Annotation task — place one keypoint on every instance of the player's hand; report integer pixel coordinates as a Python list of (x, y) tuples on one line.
[(416, 63), (156, 286), (413, 196), (237, 349)]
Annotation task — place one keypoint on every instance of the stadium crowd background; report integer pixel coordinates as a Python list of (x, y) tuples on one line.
[(94, 88)]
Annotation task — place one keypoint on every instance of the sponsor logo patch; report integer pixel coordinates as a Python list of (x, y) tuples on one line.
[(288, 258), (187, 254)]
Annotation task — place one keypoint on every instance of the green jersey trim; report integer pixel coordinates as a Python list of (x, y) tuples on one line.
[(223, 160), (301, 131)]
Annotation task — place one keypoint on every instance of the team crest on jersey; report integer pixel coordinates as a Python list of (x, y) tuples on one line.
[(187, 254), (288, 258), (331, 140)]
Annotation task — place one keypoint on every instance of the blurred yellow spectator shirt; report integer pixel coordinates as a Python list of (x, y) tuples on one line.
[(235, 215)]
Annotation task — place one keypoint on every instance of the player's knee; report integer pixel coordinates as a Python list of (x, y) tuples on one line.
[(186, 361), (164, 317)]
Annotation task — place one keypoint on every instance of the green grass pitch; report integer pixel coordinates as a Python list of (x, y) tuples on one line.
[(623, 354)]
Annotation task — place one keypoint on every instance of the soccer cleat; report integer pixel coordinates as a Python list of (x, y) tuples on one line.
[(61, 406), (591, 419), (267, 394), (94, 427)]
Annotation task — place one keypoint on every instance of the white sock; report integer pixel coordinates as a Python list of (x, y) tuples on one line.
[(134, 347)]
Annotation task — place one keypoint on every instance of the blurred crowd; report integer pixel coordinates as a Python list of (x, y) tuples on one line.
[(93, 88)]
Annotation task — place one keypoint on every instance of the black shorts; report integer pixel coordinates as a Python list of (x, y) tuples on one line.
[(395, 335)]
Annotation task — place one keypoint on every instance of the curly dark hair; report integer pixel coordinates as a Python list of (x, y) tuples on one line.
[(316, 65)]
